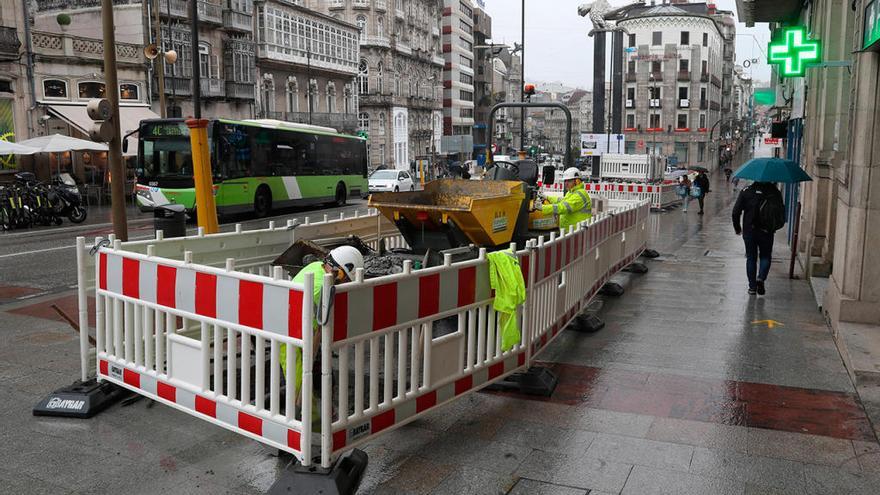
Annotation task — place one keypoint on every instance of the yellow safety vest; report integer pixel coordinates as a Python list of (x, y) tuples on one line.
[(572, 208)]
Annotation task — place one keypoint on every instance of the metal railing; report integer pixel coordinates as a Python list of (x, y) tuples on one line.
[(235, 20), (240, 90), (382, 41), (63, 45), (9, 42), (212, 87), (210, 12)]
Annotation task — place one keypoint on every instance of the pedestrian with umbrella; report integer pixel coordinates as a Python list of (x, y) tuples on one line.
[(700, 186), (759, 212)]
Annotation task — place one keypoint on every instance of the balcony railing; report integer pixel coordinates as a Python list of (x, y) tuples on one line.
[(212, 88), (704, 77), (630, 103), (382, 41), (176, 85), (210, 12), (654, 103), (713, 105), (240, 90), (339, 121), (175, 8), (375, 99), (9, 43), (716, 81), (235, 20), (76, 47), (684, 75), (657, 76), (44, 5), (402, 48), (423, 103)]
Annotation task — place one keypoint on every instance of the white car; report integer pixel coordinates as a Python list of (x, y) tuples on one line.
[(391, 181)]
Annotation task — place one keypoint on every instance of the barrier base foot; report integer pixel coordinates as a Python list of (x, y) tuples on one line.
[(636, 267), (650, 253), (79, 400), (536, 381), (343, 478), (611, 289), (588, 323)]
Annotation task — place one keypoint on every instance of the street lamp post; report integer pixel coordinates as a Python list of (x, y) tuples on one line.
[(522, 93), (650, 112)]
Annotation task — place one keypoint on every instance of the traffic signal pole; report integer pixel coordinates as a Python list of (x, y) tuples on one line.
[(117, 169)]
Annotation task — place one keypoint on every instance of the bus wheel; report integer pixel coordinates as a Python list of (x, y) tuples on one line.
[(340, 195), (262, 202)]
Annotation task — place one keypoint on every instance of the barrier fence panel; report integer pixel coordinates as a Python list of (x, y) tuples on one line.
[(242, 350), (660, 195), (209, 342)]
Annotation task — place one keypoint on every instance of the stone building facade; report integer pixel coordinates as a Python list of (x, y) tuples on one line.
[(399, 75), (673, 70)]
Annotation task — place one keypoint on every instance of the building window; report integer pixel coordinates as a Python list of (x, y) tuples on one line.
[(682, 93), (380, 27), (54, 88), (629, 147), (630, 120), (684, 65), (681, 151), (466, 78), (705, 39), (361, 22), (380, 78), (467, 113), (205, 60), (656, 67), (465, 61), (467, 45), (129, 92), (364, 121), (632, 39), (464, 26), (657, 38), (331, 97), (702, 121), (382, 124), (91, 89), (363, 77), (685, 38), (702, 94), (382, 154), (630, 93), (681, 121), (654, 92), (655, 121), (310, 96), (292, 95), (705, 68), (701, 152), (631, 67), (268, 90), (465, 10), (465, 95)]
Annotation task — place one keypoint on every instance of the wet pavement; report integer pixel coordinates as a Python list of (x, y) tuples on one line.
[(692, 387)]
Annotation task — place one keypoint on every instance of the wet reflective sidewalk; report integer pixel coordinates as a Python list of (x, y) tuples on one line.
[(692, 387)]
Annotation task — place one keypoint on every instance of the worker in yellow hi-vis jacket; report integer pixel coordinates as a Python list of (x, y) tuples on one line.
[(575, 206)]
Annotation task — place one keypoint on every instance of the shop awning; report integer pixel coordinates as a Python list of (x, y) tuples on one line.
[(129, 120), (752, 11)]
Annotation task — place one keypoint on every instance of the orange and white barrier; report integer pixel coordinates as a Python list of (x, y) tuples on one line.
[(207, 339)]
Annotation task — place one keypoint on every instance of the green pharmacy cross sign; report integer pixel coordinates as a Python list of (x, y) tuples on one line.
[(793, 52)]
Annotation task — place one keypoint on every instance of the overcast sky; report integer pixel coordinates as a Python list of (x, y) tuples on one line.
[(558, 49)]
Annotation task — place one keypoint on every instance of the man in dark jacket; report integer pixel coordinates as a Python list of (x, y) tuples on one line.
[(702, 181), (758, 240)]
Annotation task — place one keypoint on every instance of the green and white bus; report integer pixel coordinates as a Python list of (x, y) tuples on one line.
[(257, 165)]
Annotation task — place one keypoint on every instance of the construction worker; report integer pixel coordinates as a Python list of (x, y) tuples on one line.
[(342, 263), (575, 206)]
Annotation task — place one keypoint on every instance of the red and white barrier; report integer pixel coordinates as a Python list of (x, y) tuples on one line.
[(659, 195), (206, 340)]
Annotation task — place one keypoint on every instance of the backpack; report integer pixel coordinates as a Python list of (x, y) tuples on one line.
[(771, 213)]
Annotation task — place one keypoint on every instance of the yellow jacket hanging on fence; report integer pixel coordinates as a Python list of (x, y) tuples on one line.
[(572, 208), (505, 276)]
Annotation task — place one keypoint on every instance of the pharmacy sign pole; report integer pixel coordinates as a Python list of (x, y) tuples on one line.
[(793, 52)]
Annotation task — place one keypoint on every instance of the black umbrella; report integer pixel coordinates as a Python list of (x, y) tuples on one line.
[(698, 169)]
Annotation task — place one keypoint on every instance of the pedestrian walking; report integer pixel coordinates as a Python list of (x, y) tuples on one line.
[(762, 211), (700, 188), (684, 191)]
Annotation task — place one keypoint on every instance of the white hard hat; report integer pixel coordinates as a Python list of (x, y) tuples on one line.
[(347, 258), (571, 173)]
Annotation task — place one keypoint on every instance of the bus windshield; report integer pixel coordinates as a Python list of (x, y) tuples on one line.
[(167, 157)]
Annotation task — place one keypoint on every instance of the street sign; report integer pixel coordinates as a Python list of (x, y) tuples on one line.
[(872, 26), (494, 148), (598, 144), (773, 142), (793, 52)]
